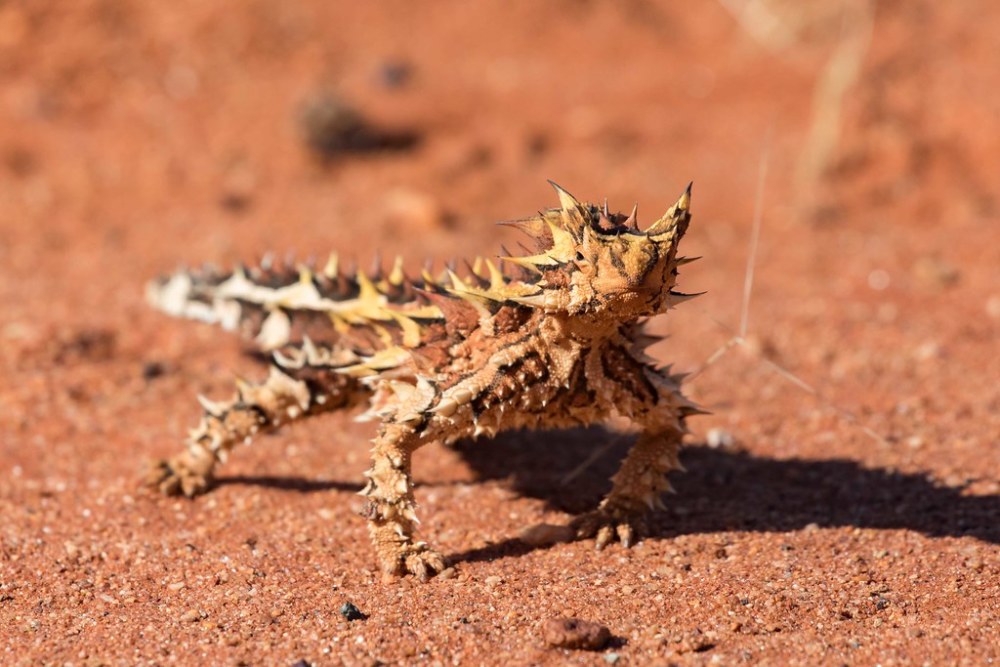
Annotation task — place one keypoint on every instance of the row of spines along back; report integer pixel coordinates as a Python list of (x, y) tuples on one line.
[(270, 301), (340, 281)]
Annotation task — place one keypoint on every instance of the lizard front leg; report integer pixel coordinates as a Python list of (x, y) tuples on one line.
[(496, 397), (391, 511)]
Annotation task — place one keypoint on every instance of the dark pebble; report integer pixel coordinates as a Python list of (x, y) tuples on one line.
[(352, 613), (153, 370)]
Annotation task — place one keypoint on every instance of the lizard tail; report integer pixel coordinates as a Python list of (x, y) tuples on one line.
[(276, 304)]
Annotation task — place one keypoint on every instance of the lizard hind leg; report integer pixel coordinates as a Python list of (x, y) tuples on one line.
[(301, 383)]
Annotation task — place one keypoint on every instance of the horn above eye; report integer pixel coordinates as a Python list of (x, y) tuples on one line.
[(679, 211)]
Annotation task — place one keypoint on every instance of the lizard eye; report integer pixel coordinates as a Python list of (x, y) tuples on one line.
[(579, 256)]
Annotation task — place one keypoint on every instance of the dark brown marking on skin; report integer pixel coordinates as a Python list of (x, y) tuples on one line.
[(511, 318), (616, 260), (621, 368)]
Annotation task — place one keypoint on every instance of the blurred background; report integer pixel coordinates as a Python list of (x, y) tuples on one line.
[(847, 476), (138, 136)]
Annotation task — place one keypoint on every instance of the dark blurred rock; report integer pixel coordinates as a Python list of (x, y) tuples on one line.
[(332, 127), (395, 73)]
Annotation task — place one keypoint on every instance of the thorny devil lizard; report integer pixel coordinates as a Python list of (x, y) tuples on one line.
[(558, 345)]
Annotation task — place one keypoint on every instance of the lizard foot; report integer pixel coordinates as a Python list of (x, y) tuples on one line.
[(416, 559), (606, 524), (178, 476)]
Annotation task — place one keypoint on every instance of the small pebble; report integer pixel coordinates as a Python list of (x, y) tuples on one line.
[(152, 370), (993, 306), (879, 279), (936, 272), (695, 641), (546, 534), (717, 438), (190, 616), (352, 613), (575, 633)]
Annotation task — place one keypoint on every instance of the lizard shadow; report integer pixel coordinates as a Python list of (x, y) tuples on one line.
[(727, 490), (280, 483)]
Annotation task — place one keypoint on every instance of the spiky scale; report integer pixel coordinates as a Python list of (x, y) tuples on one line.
[(213, 408), (632, 221), (396, 275)]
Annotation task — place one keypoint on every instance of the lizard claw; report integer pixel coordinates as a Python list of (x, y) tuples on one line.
[(422, 562), (606, 524)]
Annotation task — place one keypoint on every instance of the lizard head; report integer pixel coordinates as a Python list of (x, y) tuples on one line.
[(593, 261)]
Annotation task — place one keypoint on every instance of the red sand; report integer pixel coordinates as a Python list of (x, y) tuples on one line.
[(138, 136)]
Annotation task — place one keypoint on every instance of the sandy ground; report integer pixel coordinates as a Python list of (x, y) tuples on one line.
[(138, 136)]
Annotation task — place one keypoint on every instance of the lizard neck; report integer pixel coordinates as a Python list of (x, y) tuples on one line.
[(585, 330)]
